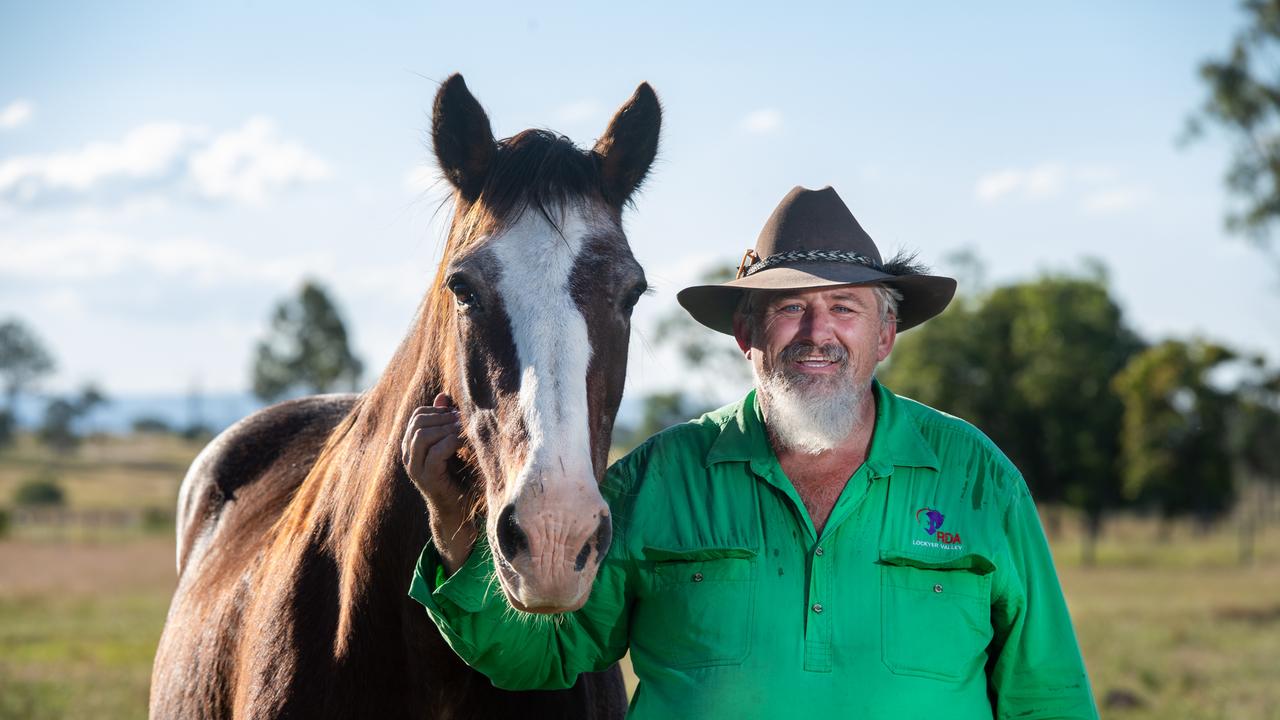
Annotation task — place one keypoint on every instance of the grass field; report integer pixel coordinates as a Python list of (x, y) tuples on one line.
[(1171, 627)]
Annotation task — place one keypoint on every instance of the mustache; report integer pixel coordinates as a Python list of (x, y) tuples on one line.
[(830, 352)]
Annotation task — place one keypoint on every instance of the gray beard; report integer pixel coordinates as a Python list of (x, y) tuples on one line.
[(806, 414)]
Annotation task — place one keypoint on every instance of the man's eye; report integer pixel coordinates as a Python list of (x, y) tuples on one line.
[(794, 307)]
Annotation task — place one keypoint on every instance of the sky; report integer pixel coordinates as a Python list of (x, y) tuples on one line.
[(169, 171)]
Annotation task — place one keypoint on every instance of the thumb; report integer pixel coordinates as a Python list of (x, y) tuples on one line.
[(442, 401)]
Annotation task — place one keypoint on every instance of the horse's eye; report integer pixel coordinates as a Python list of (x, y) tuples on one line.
[(633, 296), (462, 291)]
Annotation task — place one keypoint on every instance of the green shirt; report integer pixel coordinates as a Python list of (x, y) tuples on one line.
[(930, 593)]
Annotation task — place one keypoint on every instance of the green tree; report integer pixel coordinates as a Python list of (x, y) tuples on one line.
[(58, 428), (1256, 431), (1255, 445), (1031, 364), (660, 411), (23, 362), (1176, 449), (1244, 99), (714, 365), (306, 348)]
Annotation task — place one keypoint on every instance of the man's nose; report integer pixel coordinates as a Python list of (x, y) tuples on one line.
[(816, 326)]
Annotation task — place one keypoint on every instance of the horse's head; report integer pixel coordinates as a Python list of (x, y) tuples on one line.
[(538, 283)]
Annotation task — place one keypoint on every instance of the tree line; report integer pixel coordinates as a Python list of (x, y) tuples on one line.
[(1096, 417), (305, 350)]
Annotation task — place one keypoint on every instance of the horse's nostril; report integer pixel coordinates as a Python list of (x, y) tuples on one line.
[(583, 554), (511, 539), (604, 537)]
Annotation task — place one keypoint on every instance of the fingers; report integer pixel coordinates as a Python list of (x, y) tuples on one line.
[(430, 440), (424, 417), (433, 419), (440, 453), (429, 449), (432, 436)]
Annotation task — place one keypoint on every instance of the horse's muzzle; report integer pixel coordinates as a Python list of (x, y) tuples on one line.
[(548, 554)]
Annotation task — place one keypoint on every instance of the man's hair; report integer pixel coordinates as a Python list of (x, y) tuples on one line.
[(887, 299)]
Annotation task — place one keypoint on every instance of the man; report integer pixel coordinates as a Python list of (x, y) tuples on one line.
[(822, 548)]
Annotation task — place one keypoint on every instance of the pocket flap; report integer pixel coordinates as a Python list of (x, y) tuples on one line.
[(653, 554), (972, 562)]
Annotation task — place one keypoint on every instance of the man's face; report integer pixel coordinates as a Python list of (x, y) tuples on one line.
[(818, 340)]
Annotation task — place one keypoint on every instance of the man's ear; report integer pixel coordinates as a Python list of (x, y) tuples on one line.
[(742, 333), (888, 335)]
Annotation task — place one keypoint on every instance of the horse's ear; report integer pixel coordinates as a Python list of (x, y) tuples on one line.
[(627, 148), (462, 137)]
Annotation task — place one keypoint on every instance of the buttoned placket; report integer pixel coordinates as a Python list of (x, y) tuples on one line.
[(820, 614)]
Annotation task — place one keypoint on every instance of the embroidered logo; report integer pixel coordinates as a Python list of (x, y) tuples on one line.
[(930, 521)]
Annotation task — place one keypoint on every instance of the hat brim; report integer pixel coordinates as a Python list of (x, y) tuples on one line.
[(923, 296)]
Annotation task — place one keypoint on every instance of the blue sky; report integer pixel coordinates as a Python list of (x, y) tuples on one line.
[(168, 172)]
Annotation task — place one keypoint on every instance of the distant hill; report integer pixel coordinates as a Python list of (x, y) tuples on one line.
[(216, 411)]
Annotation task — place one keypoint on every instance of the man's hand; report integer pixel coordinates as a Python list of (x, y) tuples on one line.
[(432, 436)]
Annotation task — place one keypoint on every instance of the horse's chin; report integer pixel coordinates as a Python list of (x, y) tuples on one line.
[(539, 599)]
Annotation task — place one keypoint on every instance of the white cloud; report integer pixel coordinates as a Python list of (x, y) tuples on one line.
[(762, 122), (250, 163), (996, 185), (244, 165), (1041, 181), (1097, 189), (85, 254), (16, 114), (146, 152)]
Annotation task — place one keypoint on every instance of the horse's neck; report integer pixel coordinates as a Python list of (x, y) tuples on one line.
[(357, 509)]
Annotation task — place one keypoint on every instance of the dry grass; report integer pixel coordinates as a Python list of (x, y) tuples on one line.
[(142, 471), (1171, 625), (79, 623)]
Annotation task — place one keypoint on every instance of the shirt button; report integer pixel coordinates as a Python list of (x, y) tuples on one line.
[(817, 607), (937, 588), (818, 552), (697, 577)]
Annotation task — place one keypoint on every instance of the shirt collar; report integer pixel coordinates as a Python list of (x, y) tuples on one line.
[(895, 441)]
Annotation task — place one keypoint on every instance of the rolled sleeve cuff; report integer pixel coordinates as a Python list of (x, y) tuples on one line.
[(466, 591)]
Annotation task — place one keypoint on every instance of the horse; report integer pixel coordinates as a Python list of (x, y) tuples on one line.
[(298, 528)]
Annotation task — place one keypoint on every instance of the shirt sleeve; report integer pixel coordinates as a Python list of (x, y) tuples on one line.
[(1036, 671), (519, 651)]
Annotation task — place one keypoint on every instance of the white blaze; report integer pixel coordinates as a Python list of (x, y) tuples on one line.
[(552, 346)]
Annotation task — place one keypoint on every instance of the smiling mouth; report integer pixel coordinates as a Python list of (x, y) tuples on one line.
[(808, 359), (815, 363)]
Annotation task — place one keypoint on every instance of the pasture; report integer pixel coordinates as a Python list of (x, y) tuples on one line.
[(1171, 625)]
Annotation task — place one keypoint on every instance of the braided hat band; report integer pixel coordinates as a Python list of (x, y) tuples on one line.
[(752, 263)]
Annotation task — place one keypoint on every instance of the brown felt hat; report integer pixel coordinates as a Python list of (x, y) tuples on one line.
[(813, 241)]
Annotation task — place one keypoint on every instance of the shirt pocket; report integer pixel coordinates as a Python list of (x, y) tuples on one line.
[(935, 614), (701, 610)]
